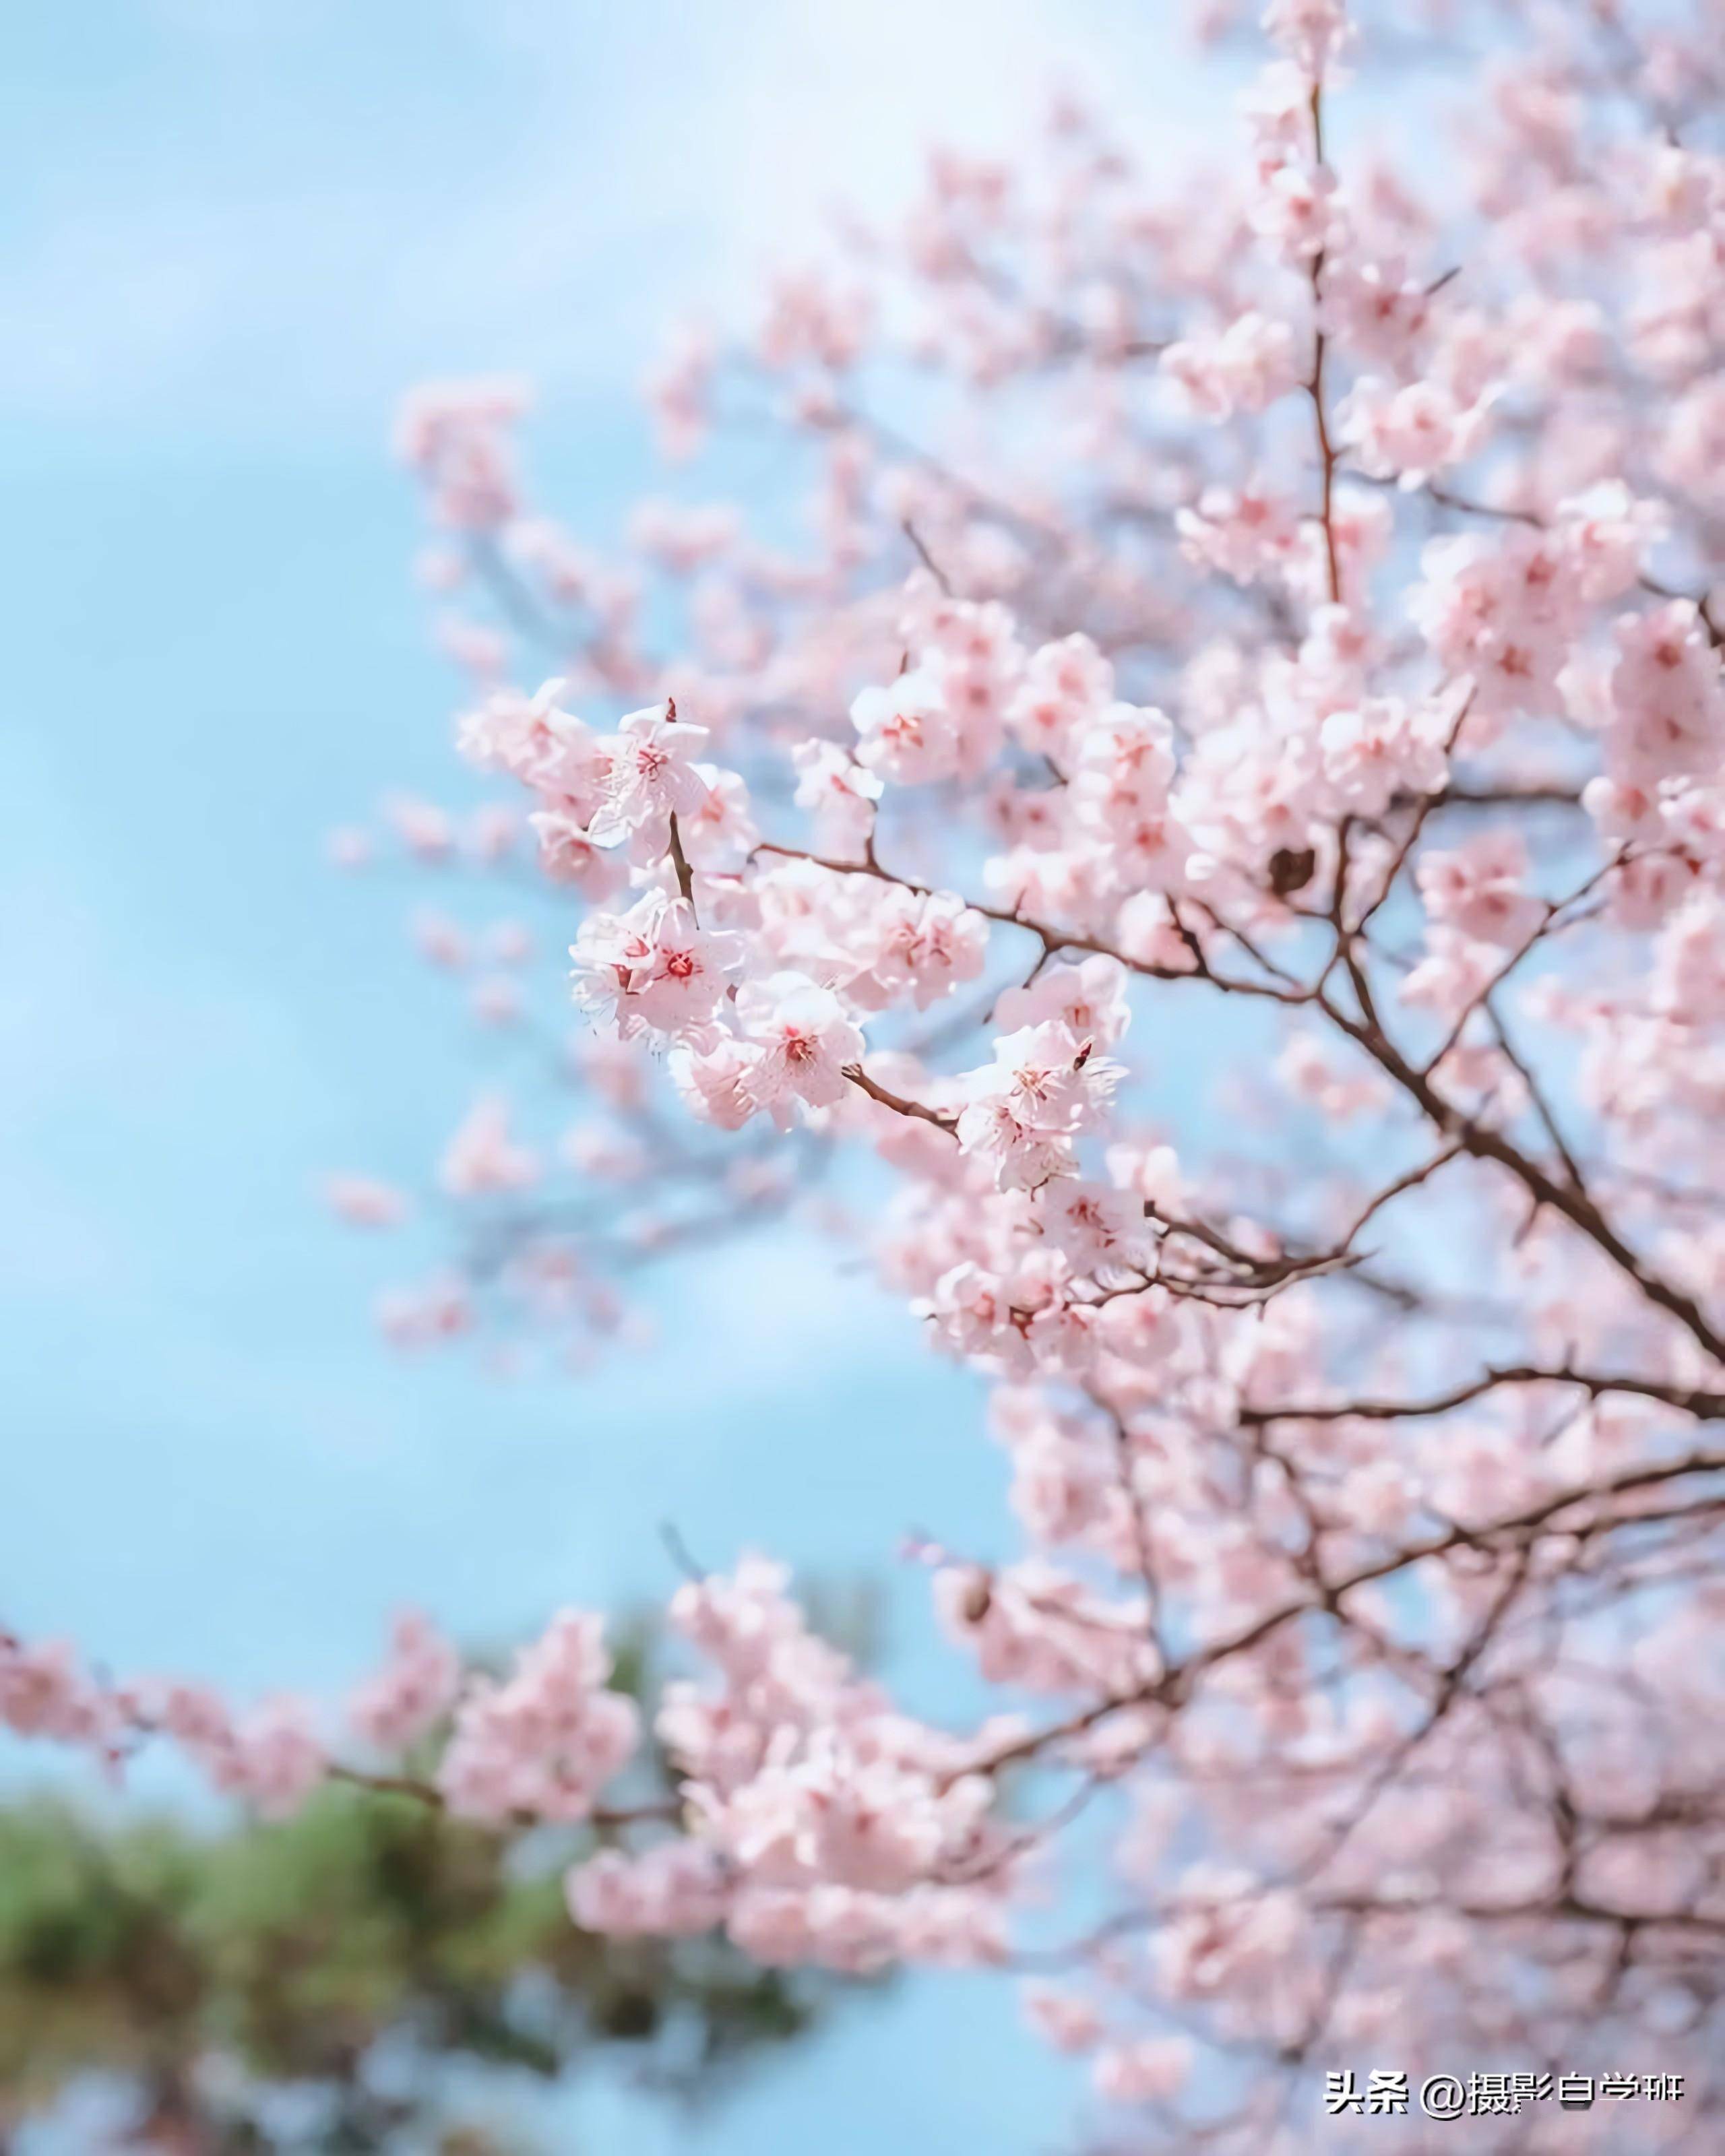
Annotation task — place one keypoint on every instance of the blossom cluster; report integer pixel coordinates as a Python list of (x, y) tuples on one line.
[(821, 1823)]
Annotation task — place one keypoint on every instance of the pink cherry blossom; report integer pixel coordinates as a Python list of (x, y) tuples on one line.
[(396, 1705), (928, 945), (544, 1742), (1481, 890), (652, 772), (364, 1201), (803, 1040), (483, 1158), (907, 732), (839, 794), (654, 967)]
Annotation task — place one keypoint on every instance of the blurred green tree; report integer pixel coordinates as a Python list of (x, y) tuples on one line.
[(347, 1959), (209, 1972)]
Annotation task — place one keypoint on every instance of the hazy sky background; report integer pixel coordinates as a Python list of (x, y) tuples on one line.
[(231, 231)]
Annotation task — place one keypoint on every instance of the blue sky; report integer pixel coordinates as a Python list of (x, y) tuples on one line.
[(232, 230)]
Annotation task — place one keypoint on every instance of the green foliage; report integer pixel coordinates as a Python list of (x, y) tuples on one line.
[(288, 1953), (290, 1950)]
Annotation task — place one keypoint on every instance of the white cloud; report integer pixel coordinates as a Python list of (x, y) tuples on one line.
[(544, 183)]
